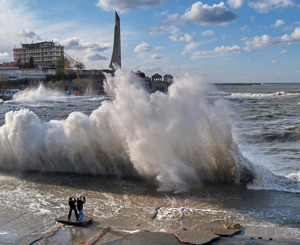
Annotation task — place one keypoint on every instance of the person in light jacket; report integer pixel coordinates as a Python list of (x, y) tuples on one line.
[(80, 201)]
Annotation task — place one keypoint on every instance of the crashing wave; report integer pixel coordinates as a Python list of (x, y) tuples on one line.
[(177, 138), (41, 93)]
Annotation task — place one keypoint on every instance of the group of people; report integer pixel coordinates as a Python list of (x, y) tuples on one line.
[(76, 204)]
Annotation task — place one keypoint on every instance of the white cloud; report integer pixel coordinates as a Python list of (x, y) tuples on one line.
[(207, 33), (127, 5), (278, 23), (296, 34), (4, 56), (228, 50), (94, 56), (265, 40), (184, 38), (245, 28), (158, 48), (76, 43), (174, 30), (143, 47), (257, 42), (156, 56), (264, 6), (14, 17), (203, 14), (157, 30), (201, 54), (176, 33), (187, 38), (274, 62), (164, 13), (191, 46), (235, 3), (30, 34), (217, 51), (148, 69), (283, 51)]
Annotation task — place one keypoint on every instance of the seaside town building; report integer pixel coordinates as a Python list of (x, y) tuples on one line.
[(44, 54), (156, 82), (159, 83)]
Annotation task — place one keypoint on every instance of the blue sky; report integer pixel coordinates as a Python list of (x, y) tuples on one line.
[(222, 41)]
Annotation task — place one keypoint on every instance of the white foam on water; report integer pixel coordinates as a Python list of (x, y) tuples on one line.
[(40, 93), (265, 180), (177, 139), (262, 95)]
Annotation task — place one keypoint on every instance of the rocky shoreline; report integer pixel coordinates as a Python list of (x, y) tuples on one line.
[(98, 233)]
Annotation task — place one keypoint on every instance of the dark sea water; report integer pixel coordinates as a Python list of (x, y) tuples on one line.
[(188, 152), (266, 126)]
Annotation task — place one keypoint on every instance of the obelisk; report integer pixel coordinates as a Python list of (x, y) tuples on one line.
[(115, 62)]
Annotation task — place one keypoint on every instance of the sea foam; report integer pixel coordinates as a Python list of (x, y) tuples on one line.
[(41, 93), (178, 139)]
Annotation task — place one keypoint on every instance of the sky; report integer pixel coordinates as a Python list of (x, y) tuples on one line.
[(230, 41)]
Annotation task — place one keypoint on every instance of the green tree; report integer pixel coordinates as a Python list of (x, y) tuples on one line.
[(31, 62), (61, 64), (19, 63), (141, 74), (79, 65)]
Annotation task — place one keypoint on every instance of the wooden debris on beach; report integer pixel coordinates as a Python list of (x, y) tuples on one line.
[(43, 236), (155, 213), (110, 236)]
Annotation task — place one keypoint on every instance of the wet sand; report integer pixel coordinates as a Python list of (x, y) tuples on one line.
[(132, 205), (116, 232)]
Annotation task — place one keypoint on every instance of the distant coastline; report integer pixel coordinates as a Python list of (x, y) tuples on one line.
[(253, 84), (241, 84)]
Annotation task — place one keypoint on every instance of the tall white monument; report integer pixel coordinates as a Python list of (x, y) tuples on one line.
[(115, 62)]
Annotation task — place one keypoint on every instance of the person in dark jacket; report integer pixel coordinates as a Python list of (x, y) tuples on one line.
[(72, 204), (80, 201)]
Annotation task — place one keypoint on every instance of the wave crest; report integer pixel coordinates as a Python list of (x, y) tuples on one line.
[(178, 139), (41, 93)]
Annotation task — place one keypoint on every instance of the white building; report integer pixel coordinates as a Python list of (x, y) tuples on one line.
[(44, 54)]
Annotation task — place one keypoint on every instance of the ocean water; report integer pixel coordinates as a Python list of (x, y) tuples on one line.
[(200, 153)]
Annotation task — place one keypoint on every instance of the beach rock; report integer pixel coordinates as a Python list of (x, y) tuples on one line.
[(232, 226), (145, 238), (193, 237), (225, 232)]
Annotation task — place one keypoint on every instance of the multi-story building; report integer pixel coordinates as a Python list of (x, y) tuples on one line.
[(44, 54), (157, 82), (160, 83)]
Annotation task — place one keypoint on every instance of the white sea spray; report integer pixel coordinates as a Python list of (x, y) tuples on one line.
[(41, 93), (178, 139)]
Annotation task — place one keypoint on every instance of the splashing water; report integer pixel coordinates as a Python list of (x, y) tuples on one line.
[(41, 93), (177, 139)]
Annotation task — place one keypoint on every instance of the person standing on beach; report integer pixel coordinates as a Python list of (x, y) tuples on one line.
[(80, 201), (72, 204)]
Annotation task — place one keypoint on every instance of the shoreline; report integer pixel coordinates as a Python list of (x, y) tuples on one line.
[(118, 232)]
